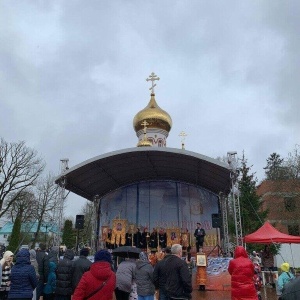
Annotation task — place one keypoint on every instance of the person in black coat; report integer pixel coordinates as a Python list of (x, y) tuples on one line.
[(145, 239), (179, 280), (23, 279), (162, 237), (80, 266), (129, 238), (64, 277), (159, 274), (43, 269), (153, 239), (199, 235), (137, 239)]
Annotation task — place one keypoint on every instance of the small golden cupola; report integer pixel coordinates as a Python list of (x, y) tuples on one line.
[(144, 142), (157, 120)]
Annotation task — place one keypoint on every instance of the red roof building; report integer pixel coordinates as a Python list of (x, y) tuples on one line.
[(282, 199)]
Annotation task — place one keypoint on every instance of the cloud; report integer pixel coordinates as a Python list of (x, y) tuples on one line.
[(72, 75)]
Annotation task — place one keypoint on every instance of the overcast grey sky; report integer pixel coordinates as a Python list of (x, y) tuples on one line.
[(72, 76)]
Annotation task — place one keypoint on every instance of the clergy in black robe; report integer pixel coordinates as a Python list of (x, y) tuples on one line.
[(145, 238), (162, 237), (137, 239), (129, 238), (153, 239)]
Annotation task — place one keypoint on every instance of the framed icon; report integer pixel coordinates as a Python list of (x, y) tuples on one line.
[(104, 233), (201, 260), (173, 236), (119, 231)]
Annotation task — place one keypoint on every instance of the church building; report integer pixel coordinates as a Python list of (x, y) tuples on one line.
[(151, 187)]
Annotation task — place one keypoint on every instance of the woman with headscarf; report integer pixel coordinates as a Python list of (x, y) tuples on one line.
[(6, 265), (99, 282), (241, 270), (144, 278), (23, 277)]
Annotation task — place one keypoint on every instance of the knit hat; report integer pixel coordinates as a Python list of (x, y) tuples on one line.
[(84, 252), (285, 267), (103, 255), (143, 256)]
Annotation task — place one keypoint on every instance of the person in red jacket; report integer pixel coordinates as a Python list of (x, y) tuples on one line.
[(241, 270), (99, 282)]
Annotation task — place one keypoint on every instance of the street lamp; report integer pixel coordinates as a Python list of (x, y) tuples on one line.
[(46, 225)]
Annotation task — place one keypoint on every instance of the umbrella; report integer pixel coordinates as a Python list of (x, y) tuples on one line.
[(127, 251)]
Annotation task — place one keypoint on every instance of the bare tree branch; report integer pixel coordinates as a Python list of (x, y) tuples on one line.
[(47, 200), (19, 170)]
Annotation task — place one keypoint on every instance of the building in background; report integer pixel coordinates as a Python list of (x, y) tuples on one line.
[(282, 199), (28, 229)]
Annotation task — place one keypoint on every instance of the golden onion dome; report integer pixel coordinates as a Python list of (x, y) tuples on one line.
[(144, 143), (154, 116)]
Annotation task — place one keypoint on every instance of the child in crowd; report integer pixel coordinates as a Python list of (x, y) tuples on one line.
[(50, 286)]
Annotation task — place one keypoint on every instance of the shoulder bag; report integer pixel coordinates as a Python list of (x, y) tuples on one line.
[(97, 290)]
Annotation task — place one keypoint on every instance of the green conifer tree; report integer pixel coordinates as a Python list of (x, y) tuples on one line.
[(252, 215), (276, 168), (69, 236), (15, 236)]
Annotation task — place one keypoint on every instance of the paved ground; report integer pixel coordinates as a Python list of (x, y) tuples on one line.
[(266, 292)]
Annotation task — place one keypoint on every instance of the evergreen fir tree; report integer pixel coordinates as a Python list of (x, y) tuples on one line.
[(15, 236), (275, 168), (68, 236), (252, 216)]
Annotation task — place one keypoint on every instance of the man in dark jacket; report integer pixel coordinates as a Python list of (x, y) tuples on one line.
[(199, 234), (80, 266), (179, 280), (64, 275), (42, 260), (159, 275)]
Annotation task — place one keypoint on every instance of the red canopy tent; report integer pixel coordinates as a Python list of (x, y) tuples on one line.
[(268, 234)]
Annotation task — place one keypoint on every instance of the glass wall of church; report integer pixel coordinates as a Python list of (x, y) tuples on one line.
[(156, 204)]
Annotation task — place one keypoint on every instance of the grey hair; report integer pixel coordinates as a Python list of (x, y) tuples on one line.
[(176, 249)]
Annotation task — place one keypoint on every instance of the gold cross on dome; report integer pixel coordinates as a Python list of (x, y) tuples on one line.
[(183, 135), (145, 124), (152, 77)]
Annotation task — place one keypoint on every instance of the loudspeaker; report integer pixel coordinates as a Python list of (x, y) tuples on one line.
[(216, 220), (79, 224)]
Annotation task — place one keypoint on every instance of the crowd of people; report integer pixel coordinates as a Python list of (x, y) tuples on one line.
[(33, 275)]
